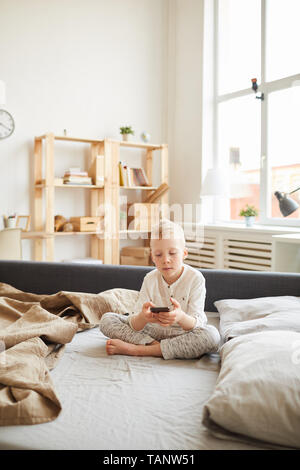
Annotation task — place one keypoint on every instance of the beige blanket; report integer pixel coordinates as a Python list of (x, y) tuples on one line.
[(33, 332)]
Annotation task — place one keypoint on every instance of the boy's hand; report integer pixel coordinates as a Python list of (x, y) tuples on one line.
[(174, 316), (148, 316)]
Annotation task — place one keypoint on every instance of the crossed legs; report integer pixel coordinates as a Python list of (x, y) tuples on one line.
[(124, 340)]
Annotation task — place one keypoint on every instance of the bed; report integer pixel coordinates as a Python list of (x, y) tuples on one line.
[(122, 402)]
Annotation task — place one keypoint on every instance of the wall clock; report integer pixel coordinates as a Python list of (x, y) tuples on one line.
[(7, 124)]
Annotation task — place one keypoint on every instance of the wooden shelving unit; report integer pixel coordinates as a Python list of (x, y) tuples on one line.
[(105, 245)]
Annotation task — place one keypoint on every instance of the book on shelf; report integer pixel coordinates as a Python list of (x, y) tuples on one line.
[(76, 176), (140, 177), (82, 174), (77, 180), (79, 183), (129, 180), (132, 177), (122, 175), (75, 172)]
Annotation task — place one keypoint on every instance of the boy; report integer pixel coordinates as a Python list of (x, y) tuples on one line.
[(181, 333)]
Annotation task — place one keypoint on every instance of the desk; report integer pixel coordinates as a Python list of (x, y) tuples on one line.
[(286, 253)]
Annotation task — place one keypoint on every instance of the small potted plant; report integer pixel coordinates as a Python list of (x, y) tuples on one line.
[(125, 131), (249, 212)]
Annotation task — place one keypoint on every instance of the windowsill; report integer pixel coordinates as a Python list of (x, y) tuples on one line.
[(276, 229), (241, 227)]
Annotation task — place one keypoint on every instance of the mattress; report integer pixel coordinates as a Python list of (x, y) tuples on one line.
[(123, 402)]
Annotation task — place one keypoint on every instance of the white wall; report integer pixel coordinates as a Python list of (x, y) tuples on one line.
[(185, 102), (87, 66)]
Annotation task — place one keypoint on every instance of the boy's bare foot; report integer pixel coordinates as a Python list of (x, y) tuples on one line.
[(117, 346)]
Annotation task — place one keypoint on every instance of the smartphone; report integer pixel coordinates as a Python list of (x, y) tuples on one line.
[(159, 309)]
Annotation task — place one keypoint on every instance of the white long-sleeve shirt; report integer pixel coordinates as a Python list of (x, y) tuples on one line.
[(189, 291)]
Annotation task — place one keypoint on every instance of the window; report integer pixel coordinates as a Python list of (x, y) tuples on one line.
[(257, 134)]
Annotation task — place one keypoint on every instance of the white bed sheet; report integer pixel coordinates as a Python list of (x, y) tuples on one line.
[(122, 402)]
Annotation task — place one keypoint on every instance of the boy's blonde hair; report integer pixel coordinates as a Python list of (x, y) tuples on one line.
[(166, 229)]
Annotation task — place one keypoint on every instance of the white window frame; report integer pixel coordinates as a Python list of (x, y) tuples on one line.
[(264, 87)]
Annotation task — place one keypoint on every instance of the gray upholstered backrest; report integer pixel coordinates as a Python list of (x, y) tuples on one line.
[(48, 278)]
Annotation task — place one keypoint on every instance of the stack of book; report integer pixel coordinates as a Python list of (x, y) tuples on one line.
[(76, 176), (132, 176)]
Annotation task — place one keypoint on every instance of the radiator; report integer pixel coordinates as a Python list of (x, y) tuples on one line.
[(202, 252), (247, 254), (228, 251)]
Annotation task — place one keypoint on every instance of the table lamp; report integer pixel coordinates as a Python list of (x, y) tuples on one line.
[(287, 205), (215, 183)]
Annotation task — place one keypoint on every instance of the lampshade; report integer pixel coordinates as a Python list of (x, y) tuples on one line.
[(216, 183), (239, 185), (287, 205)]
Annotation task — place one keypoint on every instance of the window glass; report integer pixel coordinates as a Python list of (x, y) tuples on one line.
[(239, 147), (238, 136), (282, 38), (284, 145), (239, 44)]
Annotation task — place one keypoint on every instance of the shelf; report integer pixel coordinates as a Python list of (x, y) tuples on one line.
[(62, 185), (134, 231), (61, 234), (141, 145), (149, 188), (85, 186), (30, 235), (72, 139)]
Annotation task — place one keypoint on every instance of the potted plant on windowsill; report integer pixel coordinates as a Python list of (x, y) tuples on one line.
[(125, 131), (249, 212)]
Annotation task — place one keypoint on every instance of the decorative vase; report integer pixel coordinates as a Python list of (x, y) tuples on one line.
[(145, 136), (125, 137), (250, 221), (9, 222)]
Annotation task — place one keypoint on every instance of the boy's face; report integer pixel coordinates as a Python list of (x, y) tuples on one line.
[(168, 256)]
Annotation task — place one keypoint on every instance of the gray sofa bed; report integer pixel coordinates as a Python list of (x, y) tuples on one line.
[(48, 278), (122, 402)]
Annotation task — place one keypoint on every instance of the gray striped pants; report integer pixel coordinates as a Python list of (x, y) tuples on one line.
[(175, 342)]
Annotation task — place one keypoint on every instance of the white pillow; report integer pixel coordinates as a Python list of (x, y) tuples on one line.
[(243, 316), (257, 394)]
